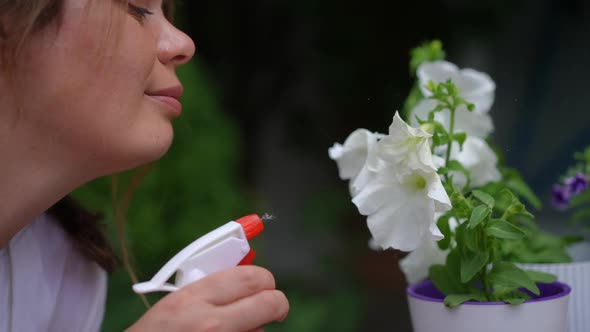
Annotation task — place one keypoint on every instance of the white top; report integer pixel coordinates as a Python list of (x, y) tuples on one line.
[(46, 285)]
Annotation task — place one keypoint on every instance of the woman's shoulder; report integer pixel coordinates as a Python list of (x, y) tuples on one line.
[(50, 277), (43, 234), (45, 246)]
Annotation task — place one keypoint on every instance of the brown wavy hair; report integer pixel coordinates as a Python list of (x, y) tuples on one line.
[(84, 227)]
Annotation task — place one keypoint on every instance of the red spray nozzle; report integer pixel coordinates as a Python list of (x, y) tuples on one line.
[(252, 225)]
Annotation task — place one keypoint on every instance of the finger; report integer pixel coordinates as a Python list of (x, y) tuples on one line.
[(257, 310), (233, 284)]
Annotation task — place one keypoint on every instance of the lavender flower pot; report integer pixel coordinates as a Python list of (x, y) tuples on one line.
[(547, 313)]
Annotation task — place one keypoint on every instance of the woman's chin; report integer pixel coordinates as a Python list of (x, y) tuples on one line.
[(144, 152), (156, 150)]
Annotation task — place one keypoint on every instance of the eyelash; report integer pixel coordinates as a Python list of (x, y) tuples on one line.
[(139, 12)]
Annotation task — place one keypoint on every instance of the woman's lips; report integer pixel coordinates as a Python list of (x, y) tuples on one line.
[(168, 97), (171, 103)]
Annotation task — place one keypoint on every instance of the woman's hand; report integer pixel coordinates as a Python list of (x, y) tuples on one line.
[(240, 299)]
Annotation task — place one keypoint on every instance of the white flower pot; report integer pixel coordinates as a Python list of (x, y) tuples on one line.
[(548, 313), (577, 276)]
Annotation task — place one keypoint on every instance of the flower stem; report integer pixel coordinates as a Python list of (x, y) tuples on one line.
[(484, 277), (451, 133), (486, 285)]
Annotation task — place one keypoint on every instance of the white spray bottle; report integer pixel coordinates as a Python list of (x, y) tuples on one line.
[(220, 249)]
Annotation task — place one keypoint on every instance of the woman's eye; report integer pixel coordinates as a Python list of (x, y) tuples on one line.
[(139, 12)]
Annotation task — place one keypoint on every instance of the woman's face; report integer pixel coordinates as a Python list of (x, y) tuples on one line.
[(98, 84)]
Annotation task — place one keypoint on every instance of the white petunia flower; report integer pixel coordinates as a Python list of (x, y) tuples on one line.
[(416, 264), (476, 87), (403, 145), (479, 159), (351, 157), (402, 190)]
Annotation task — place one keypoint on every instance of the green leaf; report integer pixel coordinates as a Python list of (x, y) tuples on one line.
[(518, 209), (460, 138), (451, 88), (551, 255), (440, 129), (473, 264), (447, 278), (511, 295), (456, 166), (581, 215), (495, 248), (479, 214), (453, 262), (472, 239), (444, 280), (514, 182), (504, 198), (431, 86), (491, 188), (537, 276), (484, 198), (513, 300), (461, 206), (581, 199), (526, 223), (445, 229), (428, 51), (571, 239), (455, 300), (508, 275), (439, 140), (438, 108), (502, 229), (460, 242)]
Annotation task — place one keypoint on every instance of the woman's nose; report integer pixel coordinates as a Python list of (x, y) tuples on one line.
[(175, 47)]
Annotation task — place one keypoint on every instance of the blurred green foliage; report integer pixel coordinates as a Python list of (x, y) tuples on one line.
[(339, 311)]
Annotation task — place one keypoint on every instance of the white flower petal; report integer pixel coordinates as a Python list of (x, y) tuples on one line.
[(479, 159), (475, 86), (437, 235), (436, 71), (404, 225), (421, 111), (438, 161), (360, 181), (416, 264), (478, 88), (438, 194), (405, 144), (373, 245), (351, 156), (473, 123), (375, 196)]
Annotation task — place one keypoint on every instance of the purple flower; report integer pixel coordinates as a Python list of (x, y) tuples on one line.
[(576, 184), (560, 196)]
